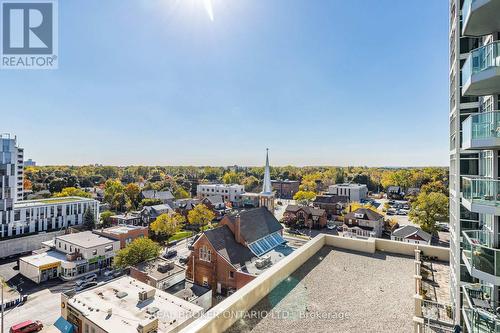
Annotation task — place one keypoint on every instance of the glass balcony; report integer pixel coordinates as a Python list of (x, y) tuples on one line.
[(481, 195), (482, 261), (480, 17), (481, 131), (481, 71), (479, 310)]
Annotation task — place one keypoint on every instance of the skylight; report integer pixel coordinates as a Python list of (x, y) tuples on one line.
[(266, 244)]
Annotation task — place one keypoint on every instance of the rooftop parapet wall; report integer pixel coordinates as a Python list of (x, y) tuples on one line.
[(225, 314)]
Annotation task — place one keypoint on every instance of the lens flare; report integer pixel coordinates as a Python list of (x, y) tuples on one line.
[(209, 8)]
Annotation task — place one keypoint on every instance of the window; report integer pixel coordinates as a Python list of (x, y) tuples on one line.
[(94, 252), (231, 274), (205, 254)]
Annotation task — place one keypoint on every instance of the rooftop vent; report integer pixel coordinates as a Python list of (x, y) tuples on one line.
[(121, 294), (152, 310), (263, 262), (163, 268)]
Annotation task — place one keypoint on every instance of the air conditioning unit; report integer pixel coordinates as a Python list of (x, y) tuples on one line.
[(148, 327), (262, 262), (146, 294), (162, 268)]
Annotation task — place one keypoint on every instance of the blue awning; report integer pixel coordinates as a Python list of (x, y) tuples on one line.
[(63, 325)]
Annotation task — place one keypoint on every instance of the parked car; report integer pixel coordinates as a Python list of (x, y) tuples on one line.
[(27, 327), (391, 211), (339, 228), (442, 226), (87, 278), (86, 285), (331, 226), (170, 254), (403, 212), (183, 259), (109, 274)]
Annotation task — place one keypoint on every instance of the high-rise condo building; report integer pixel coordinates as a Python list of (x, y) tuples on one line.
[(474, 174)]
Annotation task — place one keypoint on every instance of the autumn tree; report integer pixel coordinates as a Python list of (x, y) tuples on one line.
[(304, 197), (231, 177), (428, 209), (105, 218), (139, 250), (200, 216), (132, 191), (72, 192), (166, 225)]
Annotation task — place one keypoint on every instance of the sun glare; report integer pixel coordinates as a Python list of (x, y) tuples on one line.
[(209, 8)]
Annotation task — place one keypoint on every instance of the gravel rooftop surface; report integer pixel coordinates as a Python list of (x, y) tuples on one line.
[(338, 291)]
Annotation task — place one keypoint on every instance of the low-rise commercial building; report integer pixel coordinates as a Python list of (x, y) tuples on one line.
[(124, 233), (231, 193), (158, 273), (72, 256), (127, 305), (193, 293), (355, 192)]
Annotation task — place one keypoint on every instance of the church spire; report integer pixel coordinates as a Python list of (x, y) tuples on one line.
[(267, 187)]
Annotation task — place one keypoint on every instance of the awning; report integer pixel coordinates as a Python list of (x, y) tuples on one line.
[(63, 325)]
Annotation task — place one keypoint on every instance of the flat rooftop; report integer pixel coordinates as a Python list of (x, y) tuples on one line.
[(121, 229), (274, 256), (339, 291), (47, 258), (50, 201), (151, 268), (115, 307), (86, 239)]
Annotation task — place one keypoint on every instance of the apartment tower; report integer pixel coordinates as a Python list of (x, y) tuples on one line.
[(474, 173)]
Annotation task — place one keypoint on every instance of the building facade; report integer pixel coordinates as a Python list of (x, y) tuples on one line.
[(474, 142), (306, 216), (11, 172), (363, 222), (355, 192), (231, 193), (285, 189)]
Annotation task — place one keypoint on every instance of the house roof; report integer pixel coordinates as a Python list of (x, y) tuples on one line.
[(215, 199), (368, 214), (186, 203), (331, 199), (410, 230), (153, 194), (157, 209), (256, 223), (395, 189), (222, 239), (309, 210)]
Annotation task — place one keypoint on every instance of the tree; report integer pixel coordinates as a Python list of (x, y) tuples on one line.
[(106, 218), (428, 209), (231, 177), (132, 192), (167, 225), (140, 250), (114, 194), (251, 183), (150, 202), (181, 193), (435, 186), (57, 185), (200, 216), (304, 197), (89, 219), (72, 192)]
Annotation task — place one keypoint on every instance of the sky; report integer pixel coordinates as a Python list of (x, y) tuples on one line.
[(216, 82)]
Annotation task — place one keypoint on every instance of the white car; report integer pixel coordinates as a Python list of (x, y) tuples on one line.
[(86, 279)]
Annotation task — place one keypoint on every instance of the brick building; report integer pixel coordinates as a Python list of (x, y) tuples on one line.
[(309, 217), (334, 205), (285, 189), (239, 249)]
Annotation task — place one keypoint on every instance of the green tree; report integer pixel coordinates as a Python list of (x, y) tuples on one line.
[(304, 197), (89, 219), (150, 202), (200, 216), (106, 218), (140, 250), (166, 225), (114, 194), (435, 186), (231, 177), (72, 192), (181, 193), (428, 209), (132, 191)]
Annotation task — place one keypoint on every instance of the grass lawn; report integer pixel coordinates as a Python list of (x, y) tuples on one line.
[(180, 235)]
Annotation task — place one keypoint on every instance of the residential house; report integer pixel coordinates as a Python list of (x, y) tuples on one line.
[(214, 202), (150, 213), (132, 218), (166, 197), (334, 205), (239, 249), (412, 192), (395, 192), (309, 217), (411, 234), (183, 206), (364, 222)]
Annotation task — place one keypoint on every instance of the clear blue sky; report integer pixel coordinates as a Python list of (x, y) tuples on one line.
[(157, 82)]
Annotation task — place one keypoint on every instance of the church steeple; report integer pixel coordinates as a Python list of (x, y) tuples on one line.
[(266, 186)]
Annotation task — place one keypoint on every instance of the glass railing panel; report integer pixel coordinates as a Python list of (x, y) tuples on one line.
[(481, 59), (482, 191)]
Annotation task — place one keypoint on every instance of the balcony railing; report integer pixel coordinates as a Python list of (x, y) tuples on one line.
[(481, 191), (481, 130), (480, 59), (479, 253), (479, 310)]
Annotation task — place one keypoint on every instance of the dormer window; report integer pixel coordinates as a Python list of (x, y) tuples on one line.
[(359, 215)]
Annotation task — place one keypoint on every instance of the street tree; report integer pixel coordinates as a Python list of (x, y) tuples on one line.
[(200, 216), (140, 250), (428, 209), (166, 225)]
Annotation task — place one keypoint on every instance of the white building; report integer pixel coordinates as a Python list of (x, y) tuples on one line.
[(72, 256), (355, 192), (20, 218), (127, 305), (474, 117), (230, 193)]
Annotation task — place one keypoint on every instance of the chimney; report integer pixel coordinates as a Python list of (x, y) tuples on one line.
[(237, 226)]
